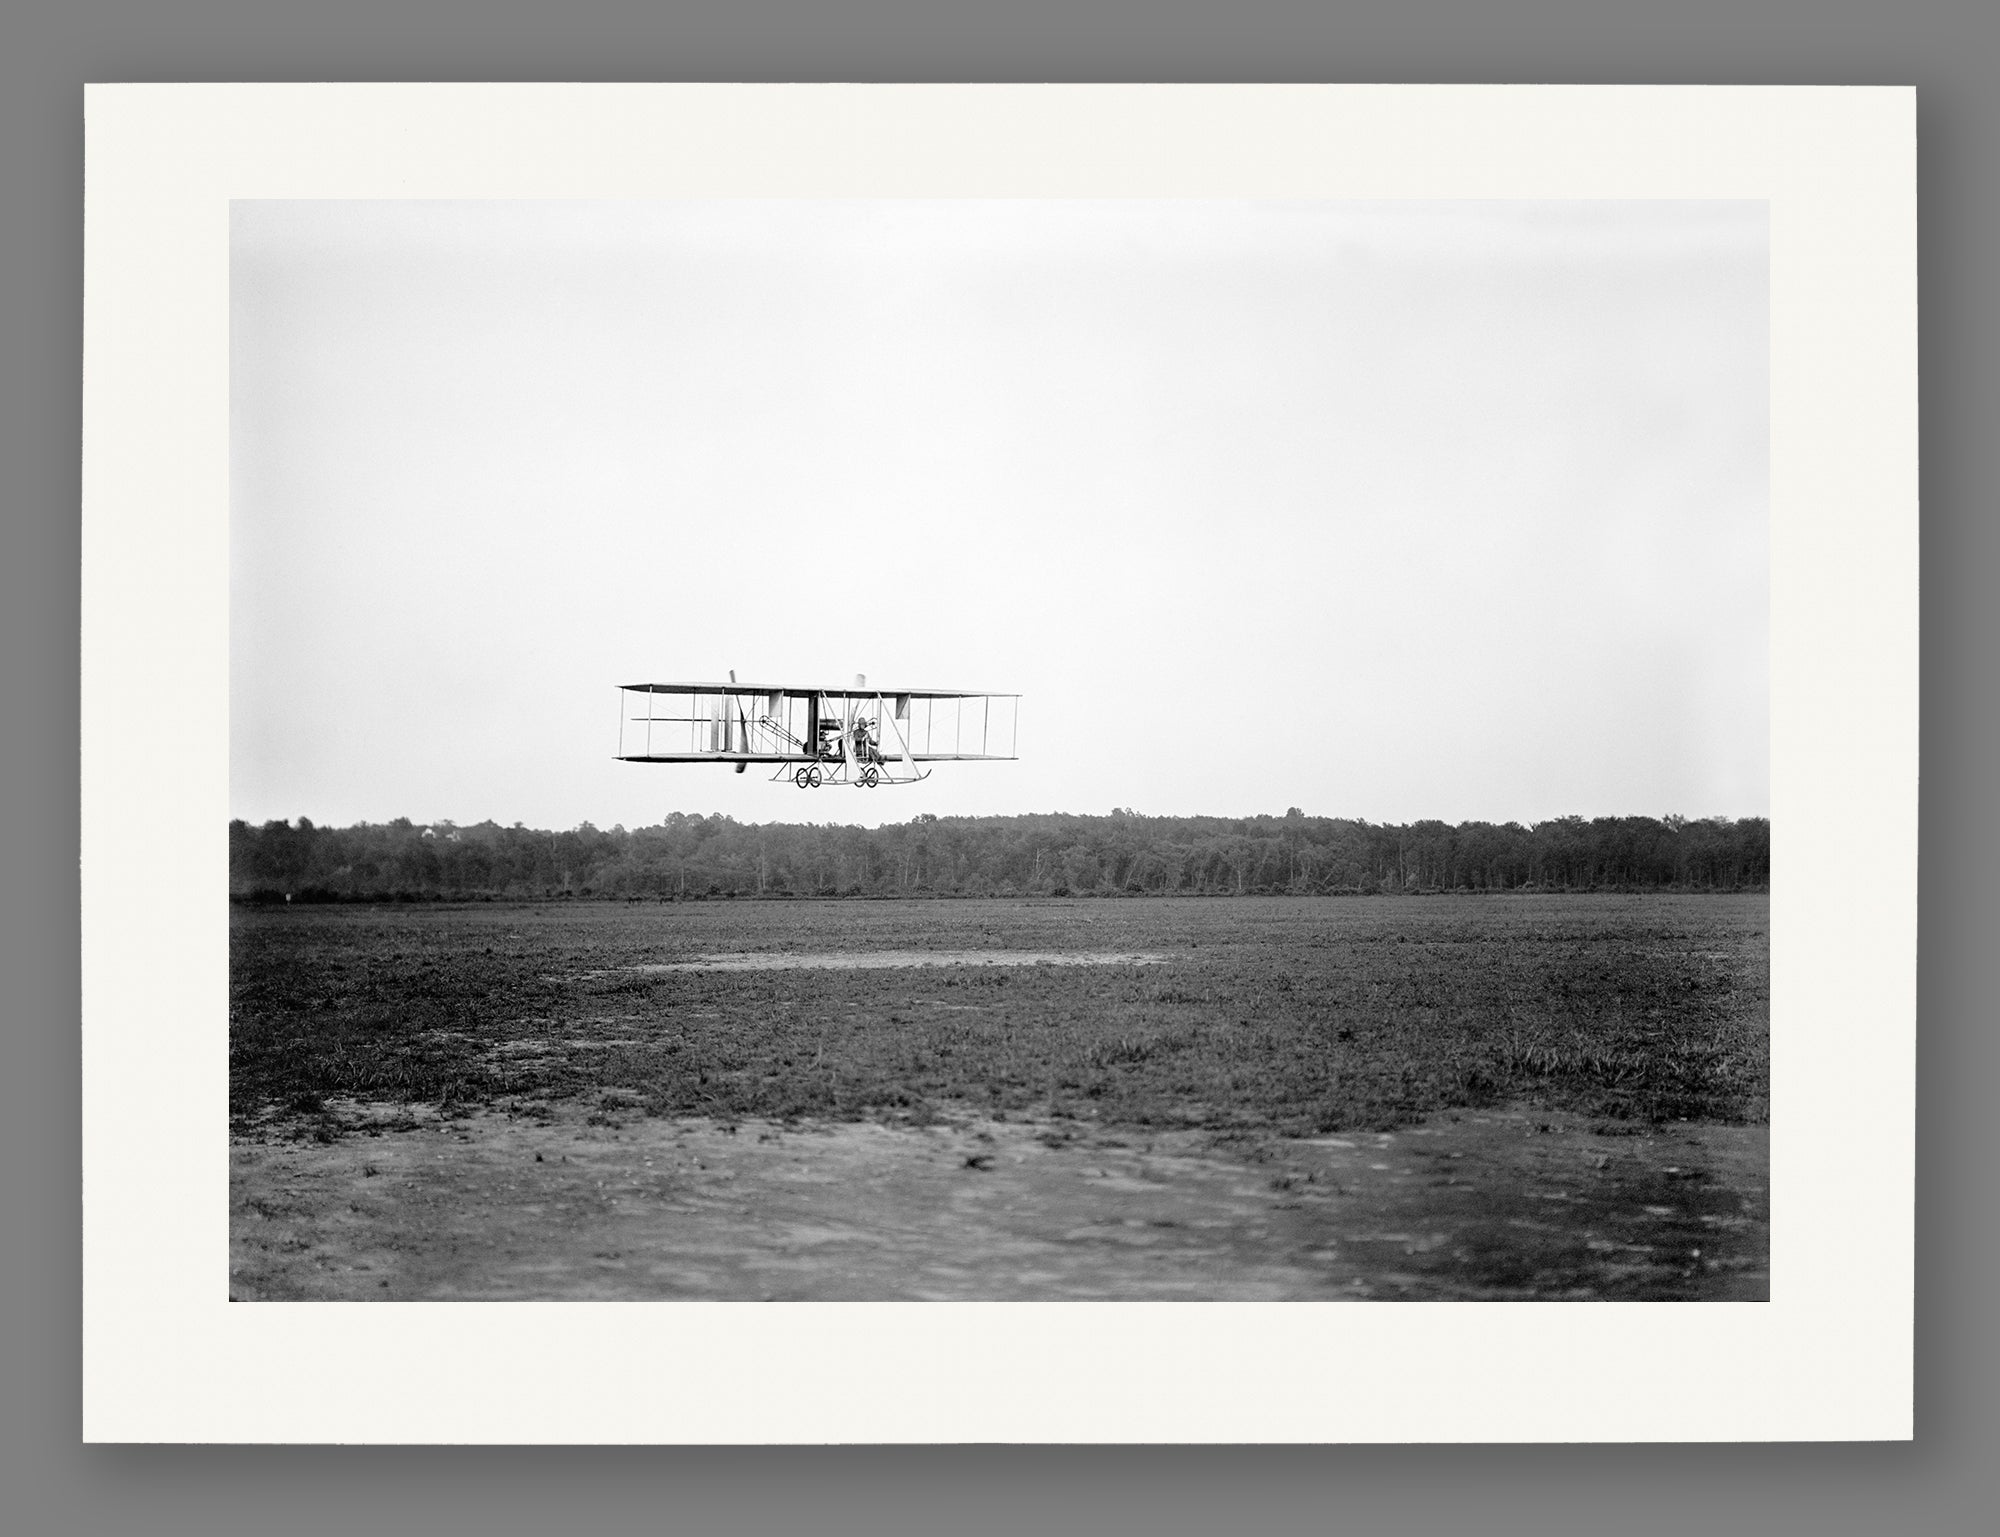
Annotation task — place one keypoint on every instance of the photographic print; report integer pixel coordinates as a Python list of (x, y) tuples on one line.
[(1080, 733), (999, 750)]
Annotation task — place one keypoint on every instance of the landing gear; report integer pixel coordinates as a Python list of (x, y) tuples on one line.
[(810, 776)]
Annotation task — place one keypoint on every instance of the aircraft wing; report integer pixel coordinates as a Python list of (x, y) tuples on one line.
[(811, 690), (744, 723)]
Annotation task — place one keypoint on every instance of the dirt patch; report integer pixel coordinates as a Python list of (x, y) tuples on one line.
[(895, 960), (564, 1202)]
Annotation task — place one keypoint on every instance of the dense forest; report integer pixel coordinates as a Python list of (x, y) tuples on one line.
[(693, 857)]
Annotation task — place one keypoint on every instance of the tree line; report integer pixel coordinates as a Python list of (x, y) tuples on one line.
[(1045, 854)]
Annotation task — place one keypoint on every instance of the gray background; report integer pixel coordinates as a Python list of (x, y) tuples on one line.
[(49, 1482)]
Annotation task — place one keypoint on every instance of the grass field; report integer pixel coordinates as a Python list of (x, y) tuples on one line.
[(1280, 1015), (1493, 1098)]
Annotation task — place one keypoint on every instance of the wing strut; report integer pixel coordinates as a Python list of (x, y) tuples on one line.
[(909, 762)]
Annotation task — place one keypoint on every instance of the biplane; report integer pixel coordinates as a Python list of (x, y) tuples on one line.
[(813, 736)]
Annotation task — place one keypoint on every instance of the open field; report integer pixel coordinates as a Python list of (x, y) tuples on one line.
[(1521, 1096)]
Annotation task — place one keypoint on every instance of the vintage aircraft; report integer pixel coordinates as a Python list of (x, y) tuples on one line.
[(855, 735)]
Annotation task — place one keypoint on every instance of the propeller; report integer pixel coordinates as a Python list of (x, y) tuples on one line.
[(743, 722)]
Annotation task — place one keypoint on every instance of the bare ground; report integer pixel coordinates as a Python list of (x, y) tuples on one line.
[(553, 1202)]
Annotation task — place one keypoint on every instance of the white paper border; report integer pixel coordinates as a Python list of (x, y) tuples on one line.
[(166, 1357)]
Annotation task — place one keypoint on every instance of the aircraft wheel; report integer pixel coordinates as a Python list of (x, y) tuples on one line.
[(812, 777), (869, 777), (799, 778)]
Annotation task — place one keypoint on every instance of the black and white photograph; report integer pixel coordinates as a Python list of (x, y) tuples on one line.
[(984, 749)]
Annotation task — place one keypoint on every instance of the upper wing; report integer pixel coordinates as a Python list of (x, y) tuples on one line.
[(697, 722), (812, 690)]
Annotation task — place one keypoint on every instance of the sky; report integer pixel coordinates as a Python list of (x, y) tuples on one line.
[(1380, 510)]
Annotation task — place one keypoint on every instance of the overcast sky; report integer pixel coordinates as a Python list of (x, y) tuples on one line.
[(1380, 510)]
